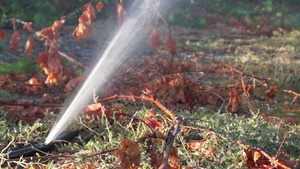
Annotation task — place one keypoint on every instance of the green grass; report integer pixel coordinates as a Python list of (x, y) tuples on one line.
[(232, 132)]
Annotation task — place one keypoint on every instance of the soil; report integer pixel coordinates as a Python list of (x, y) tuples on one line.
[(90, 48)]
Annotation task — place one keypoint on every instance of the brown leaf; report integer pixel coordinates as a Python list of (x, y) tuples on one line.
[(271, 92), (48, 34), (81, 30), (175, 165), (55, 63), (152, 159), (170, 45), (121, 13), (15, 41), (97, 109), (194, 145), (20, 77), (154, 39), (71, 84), (3, 35), (47, 98), (53, 48), (90, 9), (52, 78), (151, 113), (29, 46), (58, 24), (33, 81), (174, 154), (28, 26), (153, 123), (129, 154), (42, 59), (85, 18), (234, 101), (99, 6)]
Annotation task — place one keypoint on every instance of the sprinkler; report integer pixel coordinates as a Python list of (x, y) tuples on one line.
[(42, 148)]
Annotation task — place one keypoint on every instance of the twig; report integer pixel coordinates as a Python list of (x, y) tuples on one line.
[(69, 58), (232, 68), (61, 53), (220, 97), (247, 95), (285, 136), (71, 14), (290, 91), (143, 97), (271, 159), (158, 14), (187, 153), (260, 80), (169, 145)]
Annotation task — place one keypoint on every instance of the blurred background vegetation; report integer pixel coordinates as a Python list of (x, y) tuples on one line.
[(191, 13), (201, 13)]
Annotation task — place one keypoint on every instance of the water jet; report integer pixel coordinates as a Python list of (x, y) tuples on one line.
[(115, 54)]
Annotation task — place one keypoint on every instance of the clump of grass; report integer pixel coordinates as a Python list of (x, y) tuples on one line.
[(231, 134)]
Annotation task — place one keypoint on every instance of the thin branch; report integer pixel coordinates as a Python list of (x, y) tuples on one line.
[(159, 15), (273, 161), (285, 136), (143, 97), (169, 145), (247, 95)]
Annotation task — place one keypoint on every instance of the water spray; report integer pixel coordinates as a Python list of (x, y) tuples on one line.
[(113, 56)]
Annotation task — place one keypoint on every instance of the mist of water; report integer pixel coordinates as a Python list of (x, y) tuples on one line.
[(114, 55)]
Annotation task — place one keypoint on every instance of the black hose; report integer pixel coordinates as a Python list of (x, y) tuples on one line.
[(42, 148)]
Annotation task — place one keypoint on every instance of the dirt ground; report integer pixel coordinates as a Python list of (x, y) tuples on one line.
[(219, 43)]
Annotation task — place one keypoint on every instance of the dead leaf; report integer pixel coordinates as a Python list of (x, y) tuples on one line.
[(52, 78), (48, 34), (19, 77), (58, 24), (29, 46), (85, 18), (71, 84), (97, 109), (33, 81), (15, 41), (170, 45), (47, 98), (28, 26), (153, 123), (90, 9), (234, 101), (99, 6), (151, 113), (269, 94), (154, 39), (174, 154), (81, 30), (174, 165), (129, 154), (3, 35), (55, 63), (42, 59)]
